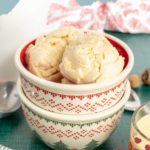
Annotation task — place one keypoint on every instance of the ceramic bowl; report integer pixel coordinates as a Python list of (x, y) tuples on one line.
[(75, 99), (61, 131)]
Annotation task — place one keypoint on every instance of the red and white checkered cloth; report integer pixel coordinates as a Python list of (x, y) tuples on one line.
[(131, 16)]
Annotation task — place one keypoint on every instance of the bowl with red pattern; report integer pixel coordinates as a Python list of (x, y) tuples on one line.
[(75, 98)]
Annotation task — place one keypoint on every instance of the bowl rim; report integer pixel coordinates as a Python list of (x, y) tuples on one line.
[(73, 118), (74, 87)]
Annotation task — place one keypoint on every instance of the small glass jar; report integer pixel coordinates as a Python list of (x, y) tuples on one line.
[(140, 128)]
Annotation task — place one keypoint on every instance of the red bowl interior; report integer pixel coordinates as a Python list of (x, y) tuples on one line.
[(120, 49)]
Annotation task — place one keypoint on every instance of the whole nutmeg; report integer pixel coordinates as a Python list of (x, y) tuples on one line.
[(135, 81), (146, 77)]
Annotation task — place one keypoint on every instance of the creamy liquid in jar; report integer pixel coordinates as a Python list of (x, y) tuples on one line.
[(137, 141), (144, 125)]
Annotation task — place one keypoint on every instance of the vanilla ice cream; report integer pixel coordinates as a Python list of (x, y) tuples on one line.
[(69, 55), (44, 57)]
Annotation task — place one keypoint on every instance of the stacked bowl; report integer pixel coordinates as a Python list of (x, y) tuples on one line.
[(73, 116)]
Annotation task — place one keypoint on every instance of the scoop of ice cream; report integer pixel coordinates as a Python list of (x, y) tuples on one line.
[(44, 57), (92, 59), (79, 65)]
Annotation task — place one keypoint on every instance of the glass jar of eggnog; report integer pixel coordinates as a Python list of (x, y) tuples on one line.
[(140, 128)]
